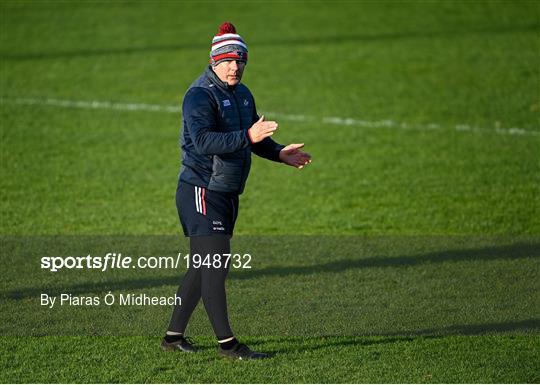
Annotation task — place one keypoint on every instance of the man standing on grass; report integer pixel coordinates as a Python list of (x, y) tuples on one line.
[(221, 129)]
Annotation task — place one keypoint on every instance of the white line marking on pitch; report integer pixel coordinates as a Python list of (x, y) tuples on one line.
[(95, 104)]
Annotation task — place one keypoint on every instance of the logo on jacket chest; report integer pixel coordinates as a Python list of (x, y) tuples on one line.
[(227, 103)]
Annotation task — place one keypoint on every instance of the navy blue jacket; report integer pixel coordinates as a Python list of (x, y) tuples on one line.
[(216, 148)]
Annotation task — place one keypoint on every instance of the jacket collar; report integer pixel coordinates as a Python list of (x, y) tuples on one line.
[(211, 75)]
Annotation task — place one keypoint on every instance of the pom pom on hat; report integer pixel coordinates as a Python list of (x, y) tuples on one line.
[(226, 28), (228, 45)]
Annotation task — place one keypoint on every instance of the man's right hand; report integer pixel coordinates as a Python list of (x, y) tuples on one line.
[(262, 129)]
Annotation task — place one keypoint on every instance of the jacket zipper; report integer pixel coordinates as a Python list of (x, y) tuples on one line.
[(241, 128), (237, 108)]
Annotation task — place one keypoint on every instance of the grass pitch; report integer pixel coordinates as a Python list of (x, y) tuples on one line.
[(407, 252)]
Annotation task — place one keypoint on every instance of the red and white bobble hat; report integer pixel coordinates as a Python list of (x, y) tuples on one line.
[(228, 45)]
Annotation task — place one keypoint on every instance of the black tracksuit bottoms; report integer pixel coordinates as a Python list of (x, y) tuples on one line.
[(208, 219)]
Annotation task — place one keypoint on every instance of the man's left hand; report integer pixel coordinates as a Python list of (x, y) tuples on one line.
[(293, 156)]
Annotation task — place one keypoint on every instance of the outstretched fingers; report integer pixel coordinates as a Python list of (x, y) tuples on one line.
[(301, 160)]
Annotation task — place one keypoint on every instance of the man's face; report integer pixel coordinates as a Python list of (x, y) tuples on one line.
[(230, 71)]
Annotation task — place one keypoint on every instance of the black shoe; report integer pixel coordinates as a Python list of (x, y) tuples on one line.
[(183, 344), (242, 352)]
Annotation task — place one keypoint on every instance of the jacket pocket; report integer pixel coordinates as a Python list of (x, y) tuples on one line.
[(227, 174)]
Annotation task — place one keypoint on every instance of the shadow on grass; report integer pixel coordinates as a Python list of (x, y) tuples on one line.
[(325, 342), (300, 345), (516, 251), (315, 40), (528, 325)]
